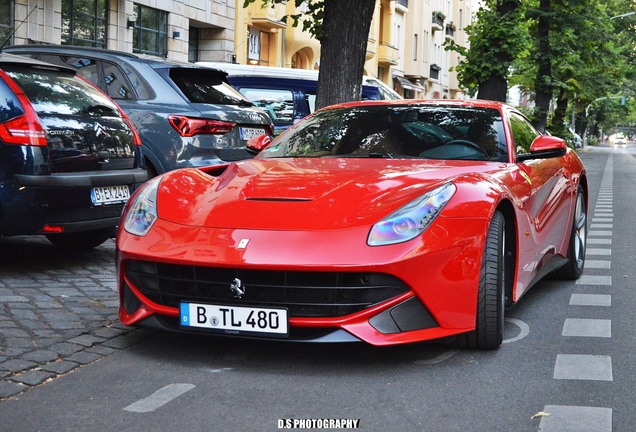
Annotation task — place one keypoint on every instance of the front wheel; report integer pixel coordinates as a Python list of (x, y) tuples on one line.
[(489, 326)]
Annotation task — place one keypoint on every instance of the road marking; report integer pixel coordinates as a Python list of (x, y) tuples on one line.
[(601, 226), (440, 358), (599, 241), (525, 330), (159, 398), (594, 280), (563, 418), (597, 264), (600, 233), (598, 251), (583, 327), (583, 367), (590, 300), (602, 219)]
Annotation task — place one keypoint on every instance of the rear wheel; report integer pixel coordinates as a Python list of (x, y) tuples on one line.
[(81, 240), (578, 240), (488, 333)]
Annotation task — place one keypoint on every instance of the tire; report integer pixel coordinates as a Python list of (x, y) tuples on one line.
[(81, 240), (573, 269), (489, 326)]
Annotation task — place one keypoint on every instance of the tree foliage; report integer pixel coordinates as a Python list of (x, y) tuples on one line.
[(497, 37)]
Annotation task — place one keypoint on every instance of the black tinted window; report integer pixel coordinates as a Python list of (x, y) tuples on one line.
[(9, 105), (431, 132), (59, 93), (203, 86)]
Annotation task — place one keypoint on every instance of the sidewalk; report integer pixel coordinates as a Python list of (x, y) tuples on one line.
[(58, 311)]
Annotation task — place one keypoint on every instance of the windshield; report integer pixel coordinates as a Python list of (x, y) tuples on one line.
[(417, 131)]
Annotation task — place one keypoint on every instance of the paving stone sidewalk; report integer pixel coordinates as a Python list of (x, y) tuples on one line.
[(58, 311)]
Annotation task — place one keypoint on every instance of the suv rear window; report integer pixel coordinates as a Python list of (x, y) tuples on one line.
[(53, 92), (203, 86)]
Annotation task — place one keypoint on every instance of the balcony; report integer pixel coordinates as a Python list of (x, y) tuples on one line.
[(438, 21), (387, 54), (449, 33)]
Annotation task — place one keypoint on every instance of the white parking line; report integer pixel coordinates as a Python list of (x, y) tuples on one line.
[(594, 280), (563, 418), (583, 327), (159, 398), (590, 300), (583, 367), (597, 251)]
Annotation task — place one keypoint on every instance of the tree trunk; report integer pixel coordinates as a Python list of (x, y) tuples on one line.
[(543, 85), (343, 48), (558, 121), (495, 87)]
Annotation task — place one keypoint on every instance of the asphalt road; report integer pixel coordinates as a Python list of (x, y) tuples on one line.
[(567, 363)]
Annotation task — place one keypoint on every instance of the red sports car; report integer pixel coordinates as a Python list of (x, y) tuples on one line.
[(384, 221)]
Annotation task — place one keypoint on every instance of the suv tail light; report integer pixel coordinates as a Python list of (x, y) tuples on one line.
[(189, 126), (24, 129)]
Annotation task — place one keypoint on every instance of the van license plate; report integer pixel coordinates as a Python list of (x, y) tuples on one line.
[(110, 195), (235, 319)]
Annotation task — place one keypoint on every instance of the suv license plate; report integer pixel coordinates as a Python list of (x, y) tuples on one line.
[(247, 133), (235, 319), (110, 195)]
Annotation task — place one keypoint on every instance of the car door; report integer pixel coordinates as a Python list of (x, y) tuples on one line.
[(545, 198)]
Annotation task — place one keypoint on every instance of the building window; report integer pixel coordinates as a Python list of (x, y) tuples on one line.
[(150, 31), (6, 22), (257, 47), (84, 23), (414, 47), (193, 45), (434, 72)]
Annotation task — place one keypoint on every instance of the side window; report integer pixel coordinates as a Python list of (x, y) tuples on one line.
[(10, 106), (279, 104), (523, 133), (86, 67), (117, 86)]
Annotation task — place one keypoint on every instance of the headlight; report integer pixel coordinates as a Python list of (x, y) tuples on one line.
[(412, 219), (142, 213)]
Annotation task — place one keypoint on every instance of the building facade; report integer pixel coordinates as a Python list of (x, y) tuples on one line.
[(405, 48)]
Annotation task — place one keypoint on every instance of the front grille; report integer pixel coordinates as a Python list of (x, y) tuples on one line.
[(304, 294)]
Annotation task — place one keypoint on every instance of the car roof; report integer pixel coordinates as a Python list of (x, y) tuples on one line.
[(12, 59), (105, 54)]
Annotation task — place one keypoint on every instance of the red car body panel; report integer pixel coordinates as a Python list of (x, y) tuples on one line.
[(315, 214)]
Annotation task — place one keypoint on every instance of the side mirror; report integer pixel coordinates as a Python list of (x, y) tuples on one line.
[(258, 143), (545, 147)]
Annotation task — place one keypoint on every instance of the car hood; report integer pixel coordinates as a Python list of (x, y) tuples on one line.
[(301, 194)]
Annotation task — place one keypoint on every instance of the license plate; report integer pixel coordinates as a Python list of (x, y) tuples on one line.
[(110, 195), (247, 133), (235, 319)]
